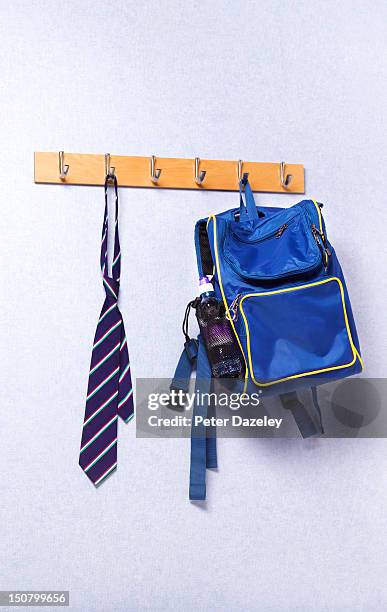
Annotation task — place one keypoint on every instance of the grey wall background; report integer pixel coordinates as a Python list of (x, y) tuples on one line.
[(289, 525)]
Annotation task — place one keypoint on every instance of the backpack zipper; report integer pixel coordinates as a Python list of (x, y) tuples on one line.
[(322, 245), (274, 234), (323, 240), (281, 230)]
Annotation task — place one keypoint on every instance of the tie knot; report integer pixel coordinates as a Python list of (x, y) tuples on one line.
[(112, 288)]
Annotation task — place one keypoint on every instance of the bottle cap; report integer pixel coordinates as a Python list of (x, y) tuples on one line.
[(203, 280), (205, 285)]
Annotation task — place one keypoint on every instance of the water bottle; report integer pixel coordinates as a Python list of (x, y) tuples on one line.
[(209, 305), (222, 348)]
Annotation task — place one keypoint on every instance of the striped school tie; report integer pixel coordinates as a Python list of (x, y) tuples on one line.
[(109, 393)]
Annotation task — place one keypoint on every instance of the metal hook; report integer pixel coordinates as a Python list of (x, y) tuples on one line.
[(199, 178), (109, 170), (285, 180), (240, 166), (242, 177), (63, 168), (155, 174)]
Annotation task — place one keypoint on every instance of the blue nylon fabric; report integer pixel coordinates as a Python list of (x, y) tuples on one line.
[(294, 332), (317, 409), (203, 439), (248, 210), (302, 417), (185, 366)]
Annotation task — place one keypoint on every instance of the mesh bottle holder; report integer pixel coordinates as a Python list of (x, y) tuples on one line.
[(222, 348)]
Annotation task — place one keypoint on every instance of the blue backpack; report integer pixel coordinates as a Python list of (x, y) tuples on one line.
[(286, 298)]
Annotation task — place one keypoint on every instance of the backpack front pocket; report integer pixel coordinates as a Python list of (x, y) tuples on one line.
[(297, 331), (283, 246)]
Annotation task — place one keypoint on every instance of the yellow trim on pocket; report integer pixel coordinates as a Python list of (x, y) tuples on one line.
[(313, 372)]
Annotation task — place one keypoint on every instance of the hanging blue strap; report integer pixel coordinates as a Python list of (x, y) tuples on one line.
[(302, 417), (185, 366), (203, 439), (248, 210), (318, 409), (211, 451)]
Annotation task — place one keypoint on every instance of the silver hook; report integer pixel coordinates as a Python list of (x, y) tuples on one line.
[(63, 168), (240, 166), (109, 170), (155, 174), (242, 177), (199, 178), (285, 180)]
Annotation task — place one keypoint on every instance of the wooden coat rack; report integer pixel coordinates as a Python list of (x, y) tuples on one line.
[(167, 173)]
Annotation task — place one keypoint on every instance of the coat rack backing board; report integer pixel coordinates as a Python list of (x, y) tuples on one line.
[(176, 173)]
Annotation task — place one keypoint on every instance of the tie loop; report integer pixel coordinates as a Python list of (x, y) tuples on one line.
[(114, 277)]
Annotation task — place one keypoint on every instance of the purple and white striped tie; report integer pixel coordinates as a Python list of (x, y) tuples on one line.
[(109, 393)]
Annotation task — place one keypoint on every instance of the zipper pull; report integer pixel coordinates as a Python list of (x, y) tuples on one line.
[(316, 235), (322, 245), (281, 230), (233, 309), (323, 239), (326, 247)]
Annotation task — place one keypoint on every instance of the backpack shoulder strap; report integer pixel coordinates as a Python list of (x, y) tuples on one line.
[(203, 439), (203, 249), (185, 366), (188, 356), (305, 423)]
